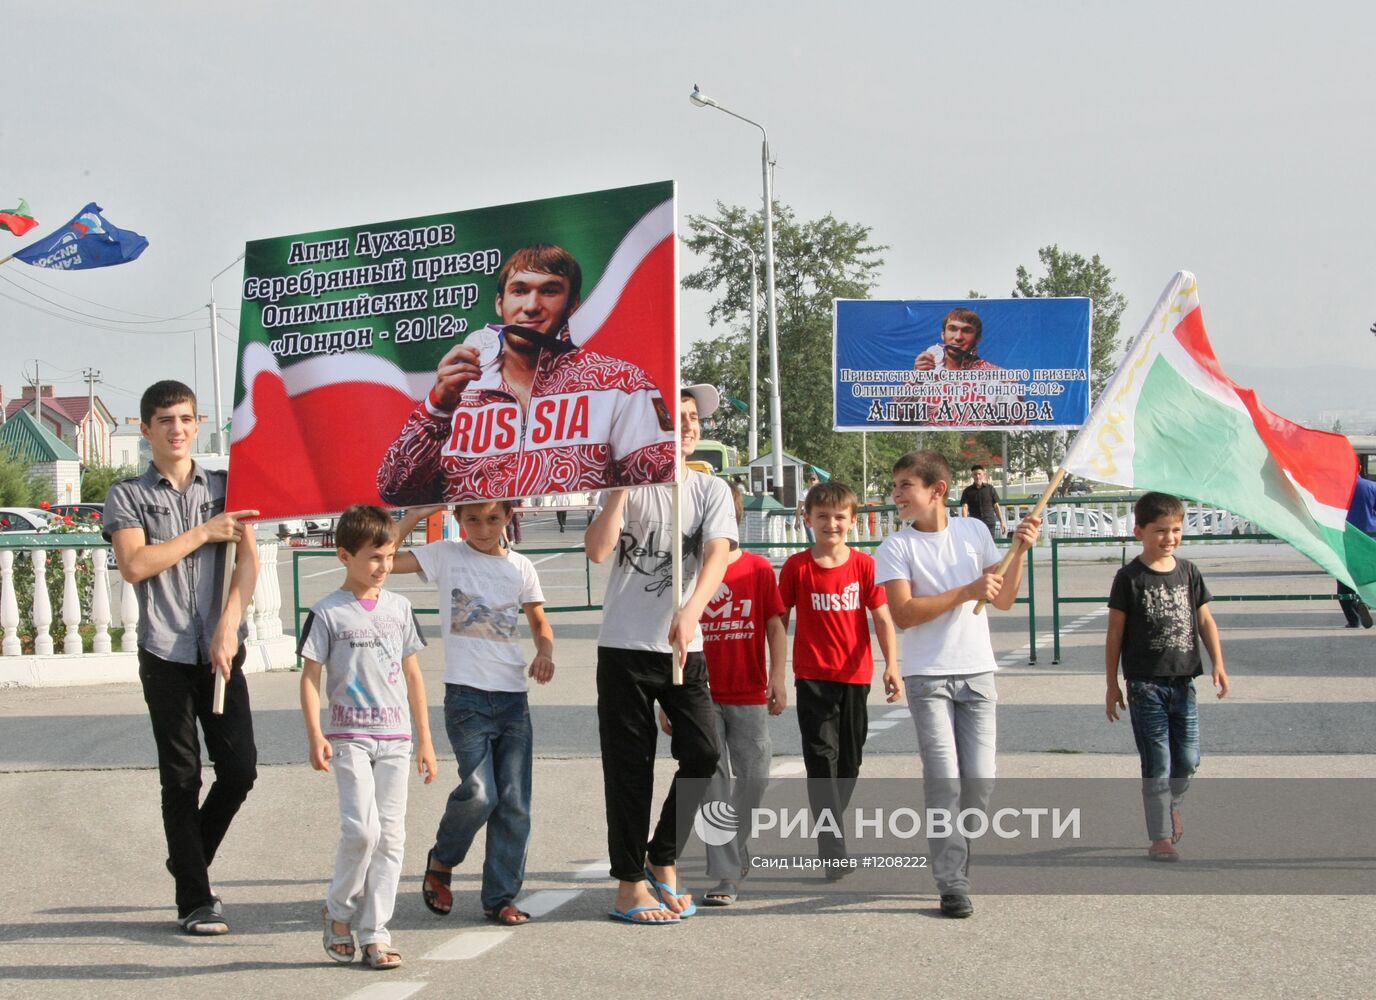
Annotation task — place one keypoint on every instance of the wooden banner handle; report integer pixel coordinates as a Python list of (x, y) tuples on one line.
[(217, 705), (1018, 548)]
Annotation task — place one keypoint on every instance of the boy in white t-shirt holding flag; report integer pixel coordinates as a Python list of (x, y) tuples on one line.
[(482, 587), (934, 571)]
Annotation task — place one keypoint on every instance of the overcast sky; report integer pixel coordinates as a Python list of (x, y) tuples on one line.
[(1234, 141)]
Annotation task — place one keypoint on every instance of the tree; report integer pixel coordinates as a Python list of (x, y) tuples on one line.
[(19, 487), (96, 480), (815, 261), (1071, 274)]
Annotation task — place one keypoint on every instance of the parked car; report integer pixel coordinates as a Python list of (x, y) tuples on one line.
[(79, 511), (1216, 522), (1082, 522), (28, 519)]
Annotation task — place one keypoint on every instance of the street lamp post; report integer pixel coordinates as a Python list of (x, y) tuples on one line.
[(776, 432), (216, 437), (754, 335)]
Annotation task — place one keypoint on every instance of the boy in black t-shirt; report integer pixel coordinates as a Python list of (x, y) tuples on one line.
[(1158, 610)]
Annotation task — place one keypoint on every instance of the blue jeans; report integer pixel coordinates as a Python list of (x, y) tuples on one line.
[(1165, 724), (491, 736)]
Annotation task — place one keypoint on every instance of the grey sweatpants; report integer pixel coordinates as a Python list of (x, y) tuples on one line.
[(741, 778)]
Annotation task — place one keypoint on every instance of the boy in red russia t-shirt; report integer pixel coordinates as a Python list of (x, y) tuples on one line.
[(831, 586), (745, 617)]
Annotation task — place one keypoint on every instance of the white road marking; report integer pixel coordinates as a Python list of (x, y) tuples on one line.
[(899, 713), (880, 726), (596, 870), (787, 768), (469, 944), (545, 559), (332, 569), (387, 991), (537, 904)]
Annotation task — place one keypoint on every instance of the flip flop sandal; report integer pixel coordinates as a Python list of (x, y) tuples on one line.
[(723, 895), (629, 917), (378, 958), (204, 921), (434, 888), (508, 915), (662, 889), (332, 941), (1177, 826)]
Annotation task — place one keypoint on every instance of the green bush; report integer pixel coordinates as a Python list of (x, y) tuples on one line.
[(96, 480), (19, 486)]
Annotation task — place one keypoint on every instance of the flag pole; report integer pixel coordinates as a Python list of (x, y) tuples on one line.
[(1018, 548), (7, 258)]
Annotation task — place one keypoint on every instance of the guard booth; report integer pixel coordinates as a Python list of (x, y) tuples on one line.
[(795, 477)]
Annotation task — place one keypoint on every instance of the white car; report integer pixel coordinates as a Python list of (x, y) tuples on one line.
[(1216, 522), (27, 519), (1081, 522)]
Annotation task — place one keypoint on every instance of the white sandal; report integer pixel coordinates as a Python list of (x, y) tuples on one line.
[(333, 941)]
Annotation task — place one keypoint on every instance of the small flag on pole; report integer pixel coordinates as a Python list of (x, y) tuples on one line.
[(87, 241), (18, 220)]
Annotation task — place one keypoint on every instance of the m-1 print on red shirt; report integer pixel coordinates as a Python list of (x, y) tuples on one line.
[(733, 631)]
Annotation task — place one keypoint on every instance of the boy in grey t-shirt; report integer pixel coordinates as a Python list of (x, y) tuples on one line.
[(366, 639), (642, 622)]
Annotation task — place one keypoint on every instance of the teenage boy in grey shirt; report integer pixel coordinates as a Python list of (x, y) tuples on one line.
[(167, 527), (641, 623)]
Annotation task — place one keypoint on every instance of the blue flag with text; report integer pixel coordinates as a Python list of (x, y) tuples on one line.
[(87, 241)]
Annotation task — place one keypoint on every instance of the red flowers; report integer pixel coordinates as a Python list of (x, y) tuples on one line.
[(45, 505)]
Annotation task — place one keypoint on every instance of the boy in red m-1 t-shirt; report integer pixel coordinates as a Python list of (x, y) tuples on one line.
[(831, 586), (745, 617)]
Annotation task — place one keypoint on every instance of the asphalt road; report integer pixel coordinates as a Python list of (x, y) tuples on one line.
[(85, 903)]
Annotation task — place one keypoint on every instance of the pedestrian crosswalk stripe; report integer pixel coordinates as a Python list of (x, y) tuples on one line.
[(469, 944)]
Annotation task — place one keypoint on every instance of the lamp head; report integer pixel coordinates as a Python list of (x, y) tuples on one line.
[(700, 99)]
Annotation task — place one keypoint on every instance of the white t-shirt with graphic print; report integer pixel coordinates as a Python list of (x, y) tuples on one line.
[(480, 599)]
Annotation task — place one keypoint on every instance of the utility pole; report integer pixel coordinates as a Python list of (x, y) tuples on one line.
[(37, 395), (92, 377)]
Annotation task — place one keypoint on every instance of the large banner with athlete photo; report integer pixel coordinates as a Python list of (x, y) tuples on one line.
[(490, 354), (966, 364)]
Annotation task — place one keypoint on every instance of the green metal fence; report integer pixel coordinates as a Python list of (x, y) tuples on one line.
[(299, 610), (1057, 600)]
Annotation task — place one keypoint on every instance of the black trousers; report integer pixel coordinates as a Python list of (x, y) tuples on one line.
[(833, 722), (178, 695), (629, 682)]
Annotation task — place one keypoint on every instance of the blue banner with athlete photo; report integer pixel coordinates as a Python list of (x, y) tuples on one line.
[(961, 364)]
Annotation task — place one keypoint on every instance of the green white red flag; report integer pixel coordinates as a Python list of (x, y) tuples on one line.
[(1171, 420), (17, 220)]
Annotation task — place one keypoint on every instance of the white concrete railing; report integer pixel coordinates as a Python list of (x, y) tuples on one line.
[(113, 605)]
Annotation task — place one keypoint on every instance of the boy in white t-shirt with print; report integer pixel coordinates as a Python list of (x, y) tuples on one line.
[(934, 571), (366, 640), (483, 586)]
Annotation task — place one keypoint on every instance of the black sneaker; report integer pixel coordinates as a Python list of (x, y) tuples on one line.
[(956, 905), (1364, 613)]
